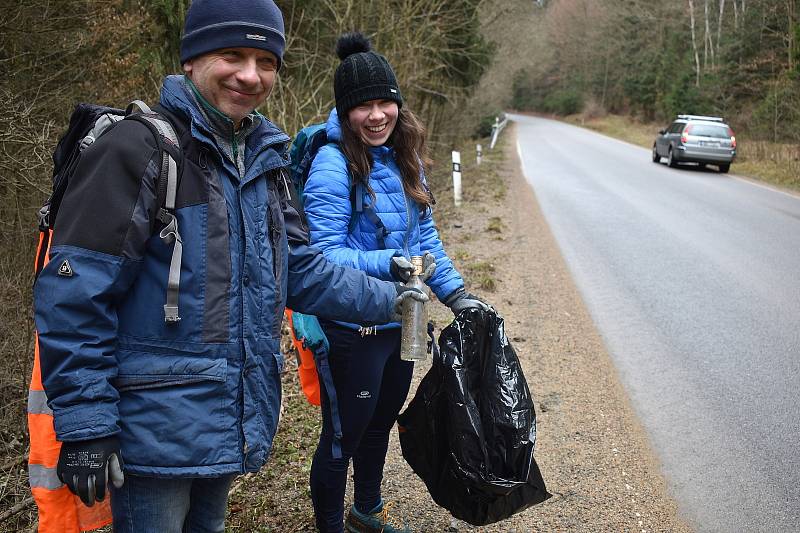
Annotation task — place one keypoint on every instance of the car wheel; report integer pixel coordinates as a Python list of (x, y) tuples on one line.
[(671, 159), (725, 168), (656, 157)]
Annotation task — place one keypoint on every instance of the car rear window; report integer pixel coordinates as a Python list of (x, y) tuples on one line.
[(708, 130)]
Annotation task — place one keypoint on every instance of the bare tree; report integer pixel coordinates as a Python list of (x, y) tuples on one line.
[(709, 51), (719, 23), (791, 7), (694, 44)]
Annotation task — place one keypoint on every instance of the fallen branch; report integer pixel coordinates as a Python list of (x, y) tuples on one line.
[(5, 515), (14, 462)]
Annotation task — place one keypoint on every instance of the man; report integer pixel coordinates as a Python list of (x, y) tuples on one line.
[(186, 405)]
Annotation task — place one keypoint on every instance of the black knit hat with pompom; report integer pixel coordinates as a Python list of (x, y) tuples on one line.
[(363, 75)]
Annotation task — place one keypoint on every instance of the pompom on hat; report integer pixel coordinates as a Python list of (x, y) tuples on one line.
[(214, 24), (362, 75)]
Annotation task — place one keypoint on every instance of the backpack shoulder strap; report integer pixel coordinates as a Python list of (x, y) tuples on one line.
[(166, 192), (313, 143), (358, 207)]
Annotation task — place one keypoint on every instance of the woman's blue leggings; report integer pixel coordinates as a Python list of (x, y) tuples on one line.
[(371, 384)]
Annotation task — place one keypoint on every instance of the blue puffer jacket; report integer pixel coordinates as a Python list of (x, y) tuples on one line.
[(328, 207), (200, 397)]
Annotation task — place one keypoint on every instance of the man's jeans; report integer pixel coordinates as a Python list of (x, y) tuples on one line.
[(168, 505)]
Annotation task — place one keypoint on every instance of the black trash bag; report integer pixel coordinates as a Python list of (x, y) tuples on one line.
[(470, 430)]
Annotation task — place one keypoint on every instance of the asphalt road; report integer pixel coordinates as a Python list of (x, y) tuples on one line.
[(693, 279)]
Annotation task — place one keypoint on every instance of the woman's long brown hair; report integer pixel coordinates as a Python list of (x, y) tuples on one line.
[(410, 154)]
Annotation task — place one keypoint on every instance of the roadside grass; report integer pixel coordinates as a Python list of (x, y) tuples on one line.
[(620, 127), (495, 225), (482, 185), (774, 163), (482, 274), (17, 512)]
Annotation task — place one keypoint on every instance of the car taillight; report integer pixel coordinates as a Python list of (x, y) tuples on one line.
[(685, 133), (733, 138)]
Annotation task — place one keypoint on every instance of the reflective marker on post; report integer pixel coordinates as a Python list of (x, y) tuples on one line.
[(457, 178), (479, 150)]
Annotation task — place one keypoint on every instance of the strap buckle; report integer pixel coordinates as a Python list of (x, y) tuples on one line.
[(44, 217), (164, 216), (171, 314)]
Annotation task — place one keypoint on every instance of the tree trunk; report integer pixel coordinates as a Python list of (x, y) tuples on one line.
[(705, 34), (719, 23), (790, 22), (708, 40), (694, 44)]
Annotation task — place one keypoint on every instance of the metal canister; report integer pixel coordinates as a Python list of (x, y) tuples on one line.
[(414, 334)]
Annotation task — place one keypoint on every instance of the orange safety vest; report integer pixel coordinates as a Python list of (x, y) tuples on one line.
[(60, 511)]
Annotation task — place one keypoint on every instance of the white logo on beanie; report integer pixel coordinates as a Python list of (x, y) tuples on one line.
[(393, 91), (256, 37)]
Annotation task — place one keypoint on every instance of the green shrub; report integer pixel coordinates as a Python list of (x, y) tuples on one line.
[(484, 128), (563, 102)]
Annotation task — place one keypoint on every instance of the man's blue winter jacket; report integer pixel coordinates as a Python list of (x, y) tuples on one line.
[(329, 208), (200, 397)]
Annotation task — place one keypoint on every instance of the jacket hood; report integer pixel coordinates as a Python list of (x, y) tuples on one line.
[(333, 127)]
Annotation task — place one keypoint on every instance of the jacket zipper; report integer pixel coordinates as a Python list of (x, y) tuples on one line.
[(407, 235), (242, 277), (275, 236)]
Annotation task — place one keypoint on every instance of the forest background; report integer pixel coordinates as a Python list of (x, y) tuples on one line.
[(459, 61), (650, 60)]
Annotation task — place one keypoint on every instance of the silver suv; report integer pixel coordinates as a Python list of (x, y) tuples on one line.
[(696, 139)]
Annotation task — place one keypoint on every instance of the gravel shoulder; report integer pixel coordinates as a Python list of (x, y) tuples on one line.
[(593, 452)]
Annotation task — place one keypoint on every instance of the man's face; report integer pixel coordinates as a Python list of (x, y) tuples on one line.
[(234, 80)]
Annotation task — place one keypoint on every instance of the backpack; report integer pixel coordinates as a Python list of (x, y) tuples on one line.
[(87, 123), (306, 333), (59, 510), (304, 149)]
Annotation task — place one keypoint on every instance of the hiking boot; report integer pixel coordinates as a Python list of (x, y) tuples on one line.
[(377, 521)]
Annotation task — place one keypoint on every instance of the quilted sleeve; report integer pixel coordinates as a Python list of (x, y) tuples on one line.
[(328, 210)]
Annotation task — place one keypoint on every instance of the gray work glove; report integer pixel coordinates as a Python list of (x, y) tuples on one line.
[(460, 299), (403, 293), (85, 467), (401, 268)]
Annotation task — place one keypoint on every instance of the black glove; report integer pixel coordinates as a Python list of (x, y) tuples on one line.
[(85, 467), (403, 293), (401, 268), (460, 299)]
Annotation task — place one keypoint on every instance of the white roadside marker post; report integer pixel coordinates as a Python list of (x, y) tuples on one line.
[(457, 178), (479, 150), (495, 132)]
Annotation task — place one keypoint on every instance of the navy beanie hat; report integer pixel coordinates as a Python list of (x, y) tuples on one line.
[(214, 24), (362, 75)]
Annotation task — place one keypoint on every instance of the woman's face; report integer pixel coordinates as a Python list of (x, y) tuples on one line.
[(374, 121)]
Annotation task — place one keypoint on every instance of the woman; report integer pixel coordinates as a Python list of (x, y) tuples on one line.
[(368, 207)]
